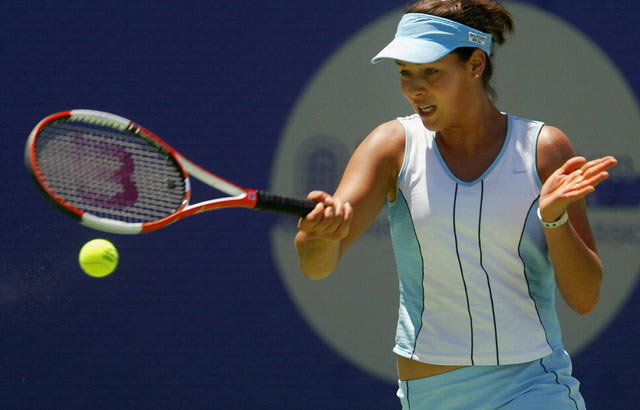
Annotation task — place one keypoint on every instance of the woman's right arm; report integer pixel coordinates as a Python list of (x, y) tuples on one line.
[(339, 219)]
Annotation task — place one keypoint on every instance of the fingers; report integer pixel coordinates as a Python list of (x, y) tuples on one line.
[(572, 165), (318, 196), (598, 166), (580, 164), (591, 173), (330, 219), (576, 179)]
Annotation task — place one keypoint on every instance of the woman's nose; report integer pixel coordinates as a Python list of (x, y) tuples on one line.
[(416, 88)]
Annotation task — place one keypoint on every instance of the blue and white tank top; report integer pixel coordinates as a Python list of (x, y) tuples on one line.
[(476, 283)]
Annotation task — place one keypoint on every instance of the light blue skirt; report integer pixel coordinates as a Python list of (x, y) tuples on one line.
[(543, 384)]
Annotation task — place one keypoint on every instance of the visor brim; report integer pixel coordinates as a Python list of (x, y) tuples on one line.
[(411, 50)]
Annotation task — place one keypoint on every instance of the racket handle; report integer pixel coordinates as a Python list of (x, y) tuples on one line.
[(282, 204)]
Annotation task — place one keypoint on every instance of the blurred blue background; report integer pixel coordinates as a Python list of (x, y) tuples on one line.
[(196, 316)]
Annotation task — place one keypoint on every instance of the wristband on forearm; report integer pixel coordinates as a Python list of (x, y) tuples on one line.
[(558, 222)]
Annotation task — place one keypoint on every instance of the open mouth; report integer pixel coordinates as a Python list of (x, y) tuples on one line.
[(426, 109)]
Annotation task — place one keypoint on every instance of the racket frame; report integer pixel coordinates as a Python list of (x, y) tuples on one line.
[(240, 197)]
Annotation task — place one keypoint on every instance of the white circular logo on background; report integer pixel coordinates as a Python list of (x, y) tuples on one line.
[(548, 71)]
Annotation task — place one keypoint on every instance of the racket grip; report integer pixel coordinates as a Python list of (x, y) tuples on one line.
[(282, 204)]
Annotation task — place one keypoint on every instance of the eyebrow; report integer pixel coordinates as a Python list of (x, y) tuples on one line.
[(402, 64)]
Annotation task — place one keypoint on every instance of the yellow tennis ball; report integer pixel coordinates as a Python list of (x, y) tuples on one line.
[(98, 258)]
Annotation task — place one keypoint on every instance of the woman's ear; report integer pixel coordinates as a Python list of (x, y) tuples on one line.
[(477, 63)]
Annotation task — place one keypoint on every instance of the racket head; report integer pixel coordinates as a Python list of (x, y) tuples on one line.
[(106, 171)]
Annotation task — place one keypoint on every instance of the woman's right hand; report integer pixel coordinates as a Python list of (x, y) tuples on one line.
[(330, 219)]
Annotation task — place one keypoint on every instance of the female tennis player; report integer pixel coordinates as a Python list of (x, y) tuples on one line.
[(487, 215)]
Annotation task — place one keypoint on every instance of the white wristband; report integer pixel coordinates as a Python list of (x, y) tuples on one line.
[(558, 222)]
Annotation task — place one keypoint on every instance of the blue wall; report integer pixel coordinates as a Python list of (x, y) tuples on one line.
[(196, 315)]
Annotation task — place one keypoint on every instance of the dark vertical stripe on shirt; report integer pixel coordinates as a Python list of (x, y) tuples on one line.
[(415, 342), (526, 276), (493, 310), (464, 282)]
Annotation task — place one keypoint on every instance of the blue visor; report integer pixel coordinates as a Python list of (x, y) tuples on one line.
[(423, 38)]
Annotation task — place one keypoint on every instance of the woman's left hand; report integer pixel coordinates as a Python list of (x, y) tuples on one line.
[(574, 180)]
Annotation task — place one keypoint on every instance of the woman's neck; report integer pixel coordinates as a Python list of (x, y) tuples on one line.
[(481, 129)]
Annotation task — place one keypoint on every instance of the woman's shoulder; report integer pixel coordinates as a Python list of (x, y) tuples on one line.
[(384, 145), (553, 142), (553, 149), (388, 137)]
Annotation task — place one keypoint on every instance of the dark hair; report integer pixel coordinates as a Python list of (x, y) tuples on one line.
[(484, 15)]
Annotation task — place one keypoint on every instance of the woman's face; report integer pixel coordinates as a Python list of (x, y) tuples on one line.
[(440, 91)]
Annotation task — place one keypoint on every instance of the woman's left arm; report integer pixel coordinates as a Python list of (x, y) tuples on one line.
[(567, 180)]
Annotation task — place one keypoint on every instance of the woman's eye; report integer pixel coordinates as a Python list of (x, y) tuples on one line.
[(431, 71)]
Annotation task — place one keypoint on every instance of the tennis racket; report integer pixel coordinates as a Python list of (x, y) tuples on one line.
[(113, 175)]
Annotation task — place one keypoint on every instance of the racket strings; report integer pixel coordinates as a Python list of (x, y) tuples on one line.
[(109, 172)]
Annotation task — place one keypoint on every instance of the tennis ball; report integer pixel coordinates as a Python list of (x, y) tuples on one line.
[(98, 258)]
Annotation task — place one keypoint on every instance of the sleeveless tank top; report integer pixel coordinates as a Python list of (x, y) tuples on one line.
[(476, 283)]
